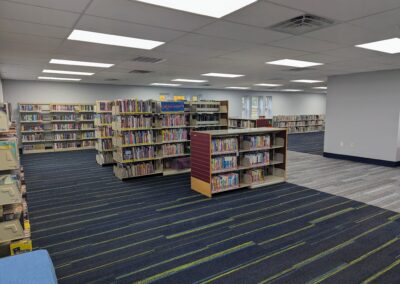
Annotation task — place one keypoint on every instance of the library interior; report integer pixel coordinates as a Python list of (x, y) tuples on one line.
[(199, 141)]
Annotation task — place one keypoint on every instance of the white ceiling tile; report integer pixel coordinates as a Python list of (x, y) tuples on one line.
[(241, 32), (342, 10), (201, 41), (13, 26), (23, 12), (346, 34), (76, 6), (190, 50), (382, 22), (146, 14), (306, 44), (262, 14), (102, 25)]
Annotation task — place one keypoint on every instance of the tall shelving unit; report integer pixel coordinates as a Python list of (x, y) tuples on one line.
[(300, 123), (46, 127), (15, 229), (153, 137), (225, 160), (104, 133)]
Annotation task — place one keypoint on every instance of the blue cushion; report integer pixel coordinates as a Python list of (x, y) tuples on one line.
[(28, 268)]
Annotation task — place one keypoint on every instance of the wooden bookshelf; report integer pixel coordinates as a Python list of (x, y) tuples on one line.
[(208, 115), (241, 123), (224, 160), (104, 133), (51, 127), (300, 123)]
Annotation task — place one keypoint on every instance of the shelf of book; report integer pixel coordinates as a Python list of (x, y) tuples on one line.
[(43, 125), (104, 133), (300, 123), (224, 160), (15, 229), (240, 123)]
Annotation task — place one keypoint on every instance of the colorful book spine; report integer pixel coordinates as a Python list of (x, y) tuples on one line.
[(224, 145), (138, 137), (134, 121), (173, 120), (223, 182), (174, 135), (139, 153), (225, 162), (257, 158), (32, 117), (173, 149), (259, 141)]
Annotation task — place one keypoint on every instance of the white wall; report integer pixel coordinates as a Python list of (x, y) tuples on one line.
[(363, 115), (34, 91), (1, 90)]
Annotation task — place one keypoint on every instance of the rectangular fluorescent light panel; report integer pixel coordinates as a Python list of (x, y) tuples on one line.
[(320, 88), (116, 40), (67, 72), (307, 81), (80, 63), (165, 84), (211, 8), (291, 90), (238, 88), (294, 63), (58, 78), (268, 85), (222, 75), (391, 46), (189, 80)]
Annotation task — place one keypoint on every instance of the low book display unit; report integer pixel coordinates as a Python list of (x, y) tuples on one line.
[(249, 122), (224, 160)]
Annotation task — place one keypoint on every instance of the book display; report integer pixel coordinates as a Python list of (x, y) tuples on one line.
[(15, 230), (154, 137), (224, 160), (249, 122), (300, 123), (104, 133), (56, 127)]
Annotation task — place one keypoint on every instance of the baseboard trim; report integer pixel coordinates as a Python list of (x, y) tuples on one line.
[(362, 160)]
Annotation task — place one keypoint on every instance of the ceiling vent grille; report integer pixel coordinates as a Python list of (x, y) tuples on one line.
[(302, 24), (111, 79), (145, 59), (138, 71), (300, 69)]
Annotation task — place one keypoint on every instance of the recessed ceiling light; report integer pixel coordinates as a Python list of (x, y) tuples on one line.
[(294, 63), (391, 46), (307, 81), (238, 88), (67, 72), (165, 84), (80, 63), (58, 78), (189, 80), (222, 75), (320, 88), (211, 8), (291, 90), (268, 85), (116, 40)]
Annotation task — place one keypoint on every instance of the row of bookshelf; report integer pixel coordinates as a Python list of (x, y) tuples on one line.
[(47, 127), (300, 123), (104, 133), (240, 123)]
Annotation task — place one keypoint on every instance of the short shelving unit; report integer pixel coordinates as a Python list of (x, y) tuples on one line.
[(241, 123), (225, 160), (300, 123), (104, 133), (46, 127)]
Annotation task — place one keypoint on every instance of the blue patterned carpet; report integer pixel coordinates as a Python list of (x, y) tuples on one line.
[(101, 230), (311, 143)]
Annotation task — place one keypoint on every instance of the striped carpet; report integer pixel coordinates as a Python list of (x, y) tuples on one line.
[(310, 143), (101, 230)]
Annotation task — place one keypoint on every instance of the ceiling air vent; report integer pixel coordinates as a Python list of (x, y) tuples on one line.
[(302, 24), (111, 80), (138, 71), (145, 59), (300, 69)]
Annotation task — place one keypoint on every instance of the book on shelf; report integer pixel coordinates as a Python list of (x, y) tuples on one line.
[(133, 121), (63, 117), (88, 144), (104, 106), (60, 107), (136, 153), (224, 145), (103, 119), (86, 108), (124, 171), (104, 132), (133, 106), (224, 182), (254, 142), (137, 137), (86, 116), (31, 117), (173, 149), (104, 145), (171, 120), (255, 158), (173, 135), (224, 162)]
